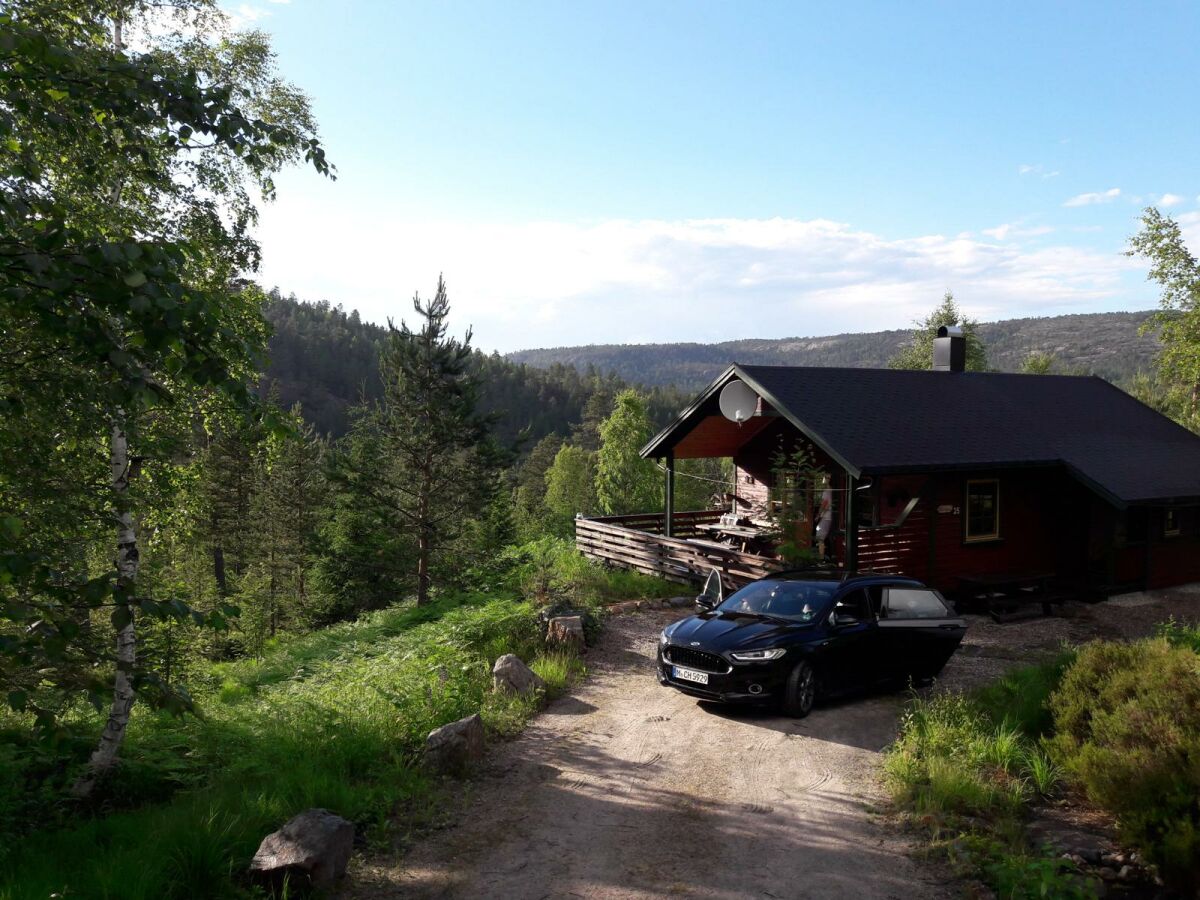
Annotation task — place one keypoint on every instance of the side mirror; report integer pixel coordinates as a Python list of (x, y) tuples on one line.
[(713, 593), (840, 620)]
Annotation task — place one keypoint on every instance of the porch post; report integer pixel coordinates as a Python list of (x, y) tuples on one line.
[(670, 510), (851, 523)]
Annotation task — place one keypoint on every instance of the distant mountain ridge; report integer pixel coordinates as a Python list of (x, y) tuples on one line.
[(1105, 344)]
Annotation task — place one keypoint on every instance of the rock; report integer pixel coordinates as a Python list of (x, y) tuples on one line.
[(680, 602), (310, 851), (567, 631), (453, 748), (511, 676), (1126, 873), (1090, 854), (1108, 874)]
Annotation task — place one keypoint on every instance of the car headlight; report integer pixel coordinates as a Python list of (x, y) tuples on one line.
[(759, 655), (664, 639)]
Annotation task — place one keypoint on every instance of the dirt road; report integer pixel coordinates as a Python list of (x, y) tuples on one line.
[(626, 789)]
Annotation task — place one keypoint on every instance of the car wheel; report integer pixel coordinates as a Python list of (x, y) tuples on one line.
[(801, 691)]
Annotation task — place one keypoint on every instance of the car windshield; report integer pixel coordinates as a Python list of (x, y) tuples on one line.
[(797, 601)]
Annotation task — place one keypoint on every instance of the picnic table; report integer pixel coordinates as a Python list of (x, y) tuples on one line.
[(1003, 593), (740, 534)]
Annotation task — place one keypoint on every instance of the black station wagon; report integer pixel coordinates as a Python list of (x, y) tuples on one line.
[(791, 637)]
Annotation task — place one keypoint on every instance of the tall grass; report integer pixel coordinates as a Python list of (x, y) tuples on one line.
[(333, 719)]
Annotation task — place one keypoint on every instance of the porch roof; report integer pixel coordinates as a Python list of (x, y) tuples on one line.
[(875, 421)]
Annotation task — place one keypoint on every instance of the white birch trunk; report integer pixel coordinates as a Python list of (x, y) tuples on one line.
[(126, 563)]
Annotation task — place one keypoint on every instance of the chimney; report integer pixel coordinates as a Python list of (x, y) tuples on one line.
[(950, 349)]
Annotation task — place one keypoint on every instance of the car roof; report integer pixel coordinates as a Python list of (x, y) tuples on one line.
[(840, 576)]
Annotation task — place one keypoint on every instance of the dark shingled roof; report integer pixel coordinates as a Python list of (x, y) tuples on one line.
[(884, 420)]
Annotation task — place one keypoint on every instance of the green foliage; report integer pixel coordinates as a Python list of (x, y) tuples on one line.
[(1181, 634), (1127, 720), (918, 352), (434, 463), (125, 203), (626, 483), (327, 360), (1021, 697), (964, 760), (570, 488), (334, 719), (795, 481), (1177, 272)]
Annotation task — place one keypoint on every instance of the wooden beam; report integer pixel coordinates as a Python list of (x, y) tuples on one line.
[(669, 517), (851, 523)]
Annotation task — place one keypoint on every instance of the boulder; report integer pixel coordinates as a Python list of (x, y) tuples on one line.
[(310, 851), (567, 631), (511, 676), (453, 748)]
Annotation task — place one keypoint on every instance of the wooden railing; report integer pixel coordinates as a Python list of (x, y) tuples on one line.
[(629, 542), (899, 549)]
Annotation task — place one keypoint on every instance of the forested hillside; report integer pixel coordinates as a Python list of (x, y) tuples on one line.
[(1106, 344), (327, 360)]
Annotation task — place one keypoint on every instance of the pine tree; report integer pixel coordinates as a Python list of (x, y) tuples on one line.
[(918, 352), (440, 460)]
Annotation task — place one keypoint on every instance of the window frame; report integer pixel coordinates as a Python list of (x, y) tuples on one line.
[(994, 535), (1169, 530), (885, 611)]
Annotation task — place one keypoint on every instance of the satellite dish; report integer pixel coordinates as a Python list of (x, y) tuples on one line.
[(738, 401)]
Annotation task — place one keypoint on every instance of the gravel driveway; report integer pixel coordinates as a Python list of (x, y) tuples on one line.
[(626, 789)]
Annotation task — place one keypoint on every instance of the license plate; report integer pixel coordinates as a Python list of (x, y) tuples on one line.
[(690, 675)]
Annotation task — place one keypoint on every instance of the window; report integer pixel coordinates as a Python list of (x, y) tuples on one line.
[(855, 605), (800, 601), (1171, 523), (983, 510), (914, 603)]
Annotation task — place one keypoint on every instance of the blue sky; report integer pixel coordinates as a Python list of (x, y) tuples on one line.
[(630, 172)]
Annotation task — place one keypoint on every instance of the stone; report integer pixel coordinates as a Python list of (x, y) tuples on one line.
[(1107, 873), (1126, 873), (567, 631), (1090, 854), (455, 747), (511, 676), (310, 851)]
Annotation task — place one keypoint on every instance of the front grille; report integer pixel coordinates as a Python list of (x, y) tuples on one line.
[(697, 659)]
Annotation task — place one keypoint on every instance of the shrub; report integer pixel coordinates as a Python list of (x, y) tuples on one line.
[(1127, 718), (1180, 634), (949, 760), (1021, 697)]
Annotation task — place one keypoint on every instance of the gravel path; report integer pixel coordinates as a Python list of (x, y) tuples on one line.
[(626, 789)]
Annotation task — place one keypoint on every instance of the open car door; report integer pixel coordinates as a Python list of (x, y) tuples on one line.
[(713, 593), (918, 630)]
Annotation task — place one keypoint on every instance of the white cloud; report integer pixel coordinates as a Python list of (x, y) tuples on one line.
[(1168, 200), (1091, 199), (548, 283), (1009, 230), (1039, 169)]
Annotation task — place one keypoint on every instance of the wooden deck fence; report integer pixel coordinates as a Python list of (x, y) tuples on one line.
[(636, 542)]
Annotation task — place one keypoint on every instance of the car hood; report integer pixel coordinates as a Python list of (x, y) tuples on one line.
[(717, 632)]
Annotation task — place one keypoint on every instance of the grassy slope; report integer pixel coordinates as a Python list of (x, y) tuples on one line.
[(332, 719)]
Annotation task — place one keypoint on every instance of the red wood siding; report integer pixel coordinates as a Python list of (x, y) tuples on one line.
[(1174, 559), (902, 550)]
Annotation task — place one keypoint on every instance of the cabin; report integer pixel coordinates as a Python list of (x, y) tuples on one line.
[(976, 483)]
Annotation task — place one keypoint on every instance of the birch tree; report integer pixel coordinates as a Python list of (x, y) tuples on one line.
[(126, 200), (1176, 270)]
